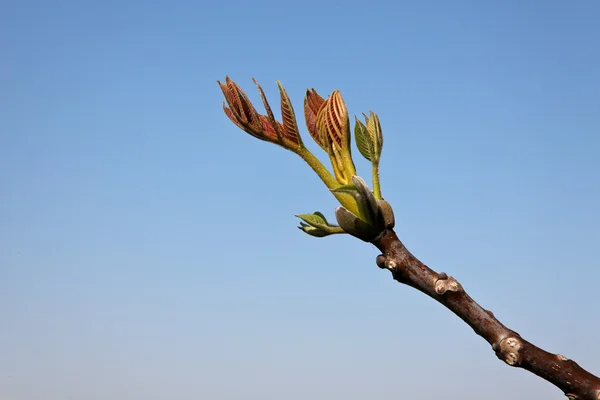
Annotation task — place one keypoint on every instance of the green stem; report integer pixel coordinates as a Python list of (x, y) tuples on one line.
[(328, 179), (376, 184), (318, 167)]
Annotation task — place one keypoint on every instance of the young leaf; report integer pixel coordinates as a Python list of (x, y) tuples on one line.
[(312, 105), (288, 117), (316, 225), (317, 219), (276, 127), (349, 189), (374, 132), (319, 214), (363, 140), (317, 232)]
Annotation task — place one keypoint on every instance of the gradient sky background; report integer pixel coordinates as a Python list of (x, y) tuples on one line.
[(149, 250)]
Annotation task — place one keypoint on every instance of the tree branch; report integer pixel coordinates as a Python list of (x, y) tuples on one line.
[(508, 345)]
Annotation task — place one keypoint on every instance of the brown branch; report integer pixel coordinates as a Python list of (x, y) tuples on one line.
[(509, 346)]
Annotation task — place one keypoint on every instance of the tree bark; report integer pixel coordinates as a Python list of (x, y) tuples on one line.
[(509, 346)]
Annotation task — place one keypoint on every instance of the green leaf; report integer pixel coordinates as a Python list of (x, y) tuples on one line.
[(312, 231), (376, 135), (316, 220), (349, 189), (316, 225), (319, 214), (316, 232), (363, 140)]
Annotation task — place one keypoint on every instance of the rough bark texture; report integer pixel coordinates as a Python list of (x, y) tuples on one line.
[(508, 345)]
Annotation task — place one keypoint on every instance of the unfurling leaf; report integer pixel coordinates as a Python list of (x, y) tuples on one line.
[(363, 140), (332, 119), (376, 135), (242, 113), (312, 105), (316, 232), (316, 225), (333, 127), (348, 188), (369, 140), (288, 117), (316, 219), (270, 120)]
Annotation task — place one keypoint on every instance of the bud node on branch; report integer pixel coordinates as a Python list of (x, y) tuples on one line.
[(509, 351), (390, 264), (447, 284)]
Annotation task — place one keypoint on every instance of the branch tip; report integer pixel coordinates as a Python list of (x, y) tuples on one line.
[(380, 260)]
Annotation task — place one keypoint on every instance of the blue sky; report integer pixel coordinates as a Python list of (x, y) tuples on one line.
[(148, 248)]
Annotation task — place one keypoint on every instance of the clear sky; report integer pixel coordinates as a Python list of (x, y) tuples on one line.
[(149, 250)]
